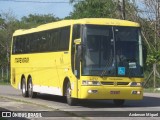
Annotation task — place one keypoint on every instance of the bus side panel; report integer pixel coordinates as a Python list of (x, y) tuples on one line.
[(15, 78), (19, 68), (63, 67), (45, 71)]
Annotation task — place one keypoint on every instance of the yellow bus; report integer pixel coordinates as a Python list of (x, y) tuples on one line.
[(90, 58)]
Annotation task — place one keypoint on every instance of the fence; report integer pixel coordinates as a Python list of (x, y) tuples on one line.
[(152, 77), (149, 77), (4, 74)]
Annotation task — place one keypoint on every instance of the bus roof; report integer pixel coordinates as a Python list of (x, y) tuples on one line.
[(62, 23)]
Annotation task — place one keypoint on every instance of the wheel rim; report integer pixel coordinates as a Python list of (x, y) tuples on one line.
[(68, 92), (23, 88), (30, 89)]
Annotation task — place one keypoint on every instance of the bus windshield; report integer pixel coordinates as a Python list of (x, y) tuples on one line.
[(112, 51)]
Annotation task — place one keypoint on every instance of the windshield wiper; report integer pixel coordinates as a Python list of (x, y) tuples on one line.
[(108, 69), (112, 67), (103, 72)]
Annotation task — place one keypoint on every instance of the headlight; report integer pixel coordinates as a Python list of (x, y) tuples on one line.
[(86, 82), (136, 84)]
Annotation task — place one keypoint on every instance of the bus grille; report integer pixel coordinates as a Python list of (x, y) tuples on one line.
[(114, 83), (122, 83), (107, 83)]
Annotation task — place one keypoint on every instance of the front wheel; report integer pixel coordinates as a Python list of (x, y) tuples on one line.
[(119, 102), (71, 101)]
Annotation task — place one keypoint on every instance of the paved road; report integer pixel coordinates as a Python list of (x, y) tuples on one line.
[(11, 99)]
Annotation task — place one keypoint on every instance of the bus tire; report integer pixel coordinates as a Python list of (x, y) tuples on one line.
[(71, 101), (118, 102), (30, 89), (23, 88)]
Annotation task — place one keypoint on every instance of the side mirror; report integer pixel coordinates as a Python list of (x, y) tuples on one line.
[(78, 56), (78, 48)]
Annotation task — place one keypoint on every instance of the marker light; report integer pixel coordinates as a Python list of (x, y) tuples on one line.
[(136, 92), (136, 84), (93, 91), (92, 83)]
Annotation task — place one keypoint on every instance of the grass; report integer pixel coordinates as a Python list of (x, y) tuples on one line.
[(42, 105), (4, 82)]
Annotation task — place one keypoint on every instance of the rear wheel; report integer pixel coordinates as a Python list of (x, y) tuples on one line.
[(71, 101), (24, 90), (119, 102), (30, 89)]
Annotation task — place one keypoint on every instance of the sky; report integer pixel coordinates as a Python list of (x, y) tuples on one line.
[(20, 8), (59, 8)]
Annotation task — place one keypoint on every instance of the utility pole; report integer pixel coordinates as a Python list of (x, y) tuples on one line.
[(123, 9), (157, 22), (157, 30), (158, 18)]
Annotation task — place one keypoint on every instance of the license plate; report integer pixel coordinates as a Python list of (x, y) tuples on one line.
[(114, 92)]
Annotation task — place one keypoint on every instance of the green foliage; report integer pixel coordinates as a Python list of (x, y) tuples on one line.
[(93, 8), (153, 57), (36, 19), (2, 21), (102, 9)]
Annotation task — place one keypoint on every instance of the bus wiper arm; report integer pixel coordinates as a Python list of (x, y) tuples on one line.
[(103, 72), (109, 69)]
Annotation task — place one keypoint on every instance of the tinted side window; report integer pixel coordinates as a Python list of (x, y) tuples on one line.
[(18, 45), (14, 45), (45, 41), (54, 40), (33, 43), (26, 45), (64, 38), (42, 42)]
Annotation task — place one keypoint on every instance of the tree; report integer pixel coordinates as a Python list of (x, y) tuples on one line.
[(102, 9), (36, 19), (7, 21), (93, 8), (152, 14)]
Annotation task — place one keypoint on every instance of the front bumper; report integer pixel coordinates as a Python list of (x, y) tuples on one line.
[(103, 92)]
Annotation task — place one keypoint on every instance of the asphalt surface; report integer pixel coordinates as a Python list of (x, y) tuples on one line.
[(57, 108)]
